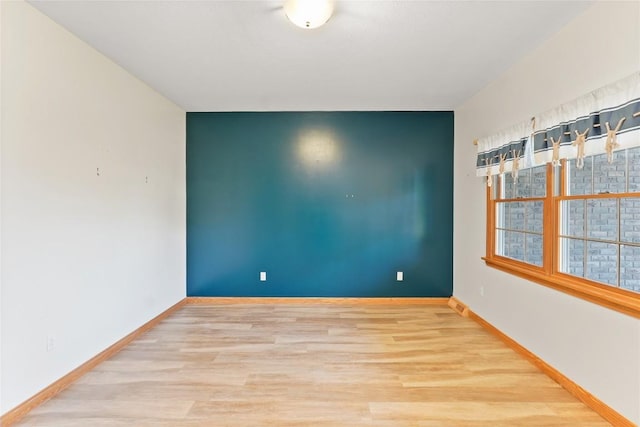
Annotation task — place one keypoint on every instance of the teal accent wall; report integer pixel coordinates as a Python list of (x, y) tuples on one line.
[(326, 203)]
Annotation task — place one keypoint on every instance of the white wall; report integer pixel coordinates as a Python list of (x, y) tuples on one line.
[(86, 257), (595, 347)]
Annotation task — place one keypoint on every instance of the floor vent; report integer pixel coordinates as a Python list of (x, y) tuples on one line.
[(458, 307)]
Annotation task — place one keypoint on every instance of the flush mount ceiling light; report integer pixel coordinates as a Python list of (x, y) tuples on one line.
[(308, 14)]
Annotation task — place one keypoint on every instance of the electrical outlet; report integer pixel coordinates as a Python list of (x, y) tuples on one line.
[(481, 291), (399, 276), (263, 276), (51, 343)]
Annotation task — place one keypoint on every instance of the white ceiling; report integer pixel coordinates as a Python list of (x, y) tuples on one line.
[(371, 55)]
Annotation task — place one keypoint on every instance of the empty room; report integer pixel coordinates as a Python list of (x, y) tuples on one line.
[(319, 213)]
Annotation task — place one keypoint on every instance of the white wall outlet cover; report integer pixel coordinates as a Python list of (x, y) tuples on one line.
[(399, 276), (263, 276)]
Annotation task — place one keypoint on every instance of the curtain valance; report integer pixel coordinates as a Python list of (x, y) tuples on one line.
[(602, 121)]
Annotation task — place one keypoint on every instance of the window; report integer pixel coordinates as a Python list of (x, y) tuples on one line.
[(577, 230), (519, 216)]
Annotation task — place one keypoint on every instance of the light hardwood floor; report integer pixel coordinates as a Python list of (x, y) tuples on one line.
[(315, 365)]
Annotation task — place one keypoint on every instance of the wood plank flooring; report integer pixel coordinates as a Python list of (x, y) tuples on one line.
[(315, 365)]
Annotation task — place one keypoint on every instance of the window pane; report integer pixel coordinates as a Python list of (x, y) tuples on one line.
[(573, 218), (580, 180), (573, 257), (539, 181), (610, 177), (502, 215), (534, 249), (516, 215), (514, 245), (500, 238), (495, 188), (509, 188), (630, 220), (602, 262), (535, 215), (630, 268), (633, 160), (521, 188), (602, 219), (522, 216)]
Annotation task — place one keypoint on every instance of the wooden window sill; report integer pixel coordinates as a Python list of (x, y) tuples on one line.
[(620, 300)]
